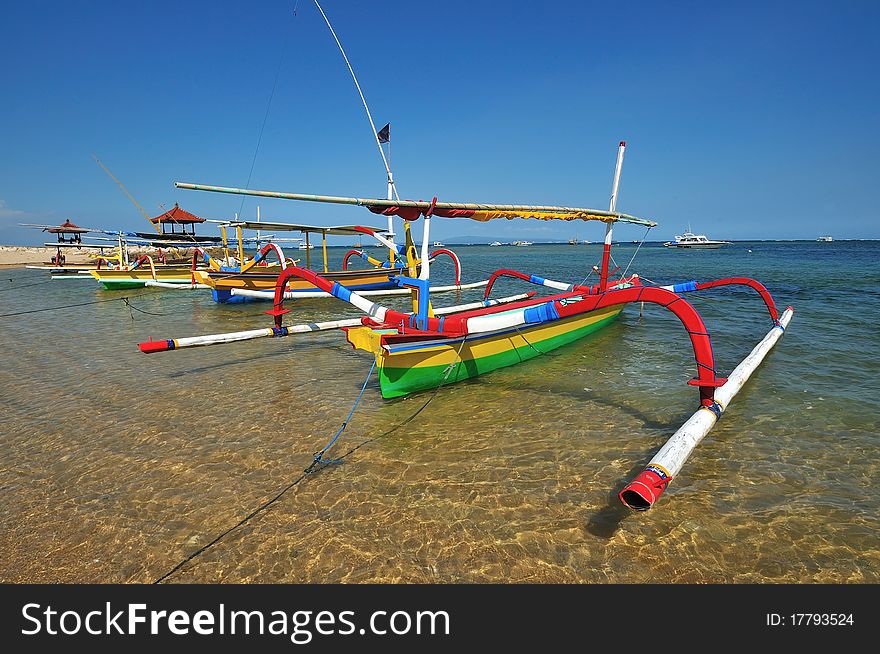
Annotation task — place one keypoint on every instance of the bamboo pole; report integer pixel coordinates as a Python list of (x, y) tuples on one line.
[(307, 295), (375, 202), (166, 345), (641, 493)]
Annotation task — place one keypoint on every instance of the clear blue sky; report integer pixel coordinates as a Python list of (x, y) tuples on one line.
[(751, 120)]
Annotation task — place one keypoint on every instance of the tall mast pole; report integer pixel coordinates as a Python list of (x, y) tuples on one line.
[(609, 226), (258, 231), (392, 190)]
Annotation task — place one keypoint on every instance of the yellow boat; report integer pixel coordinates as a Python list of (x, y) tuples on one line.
[(225, 280)]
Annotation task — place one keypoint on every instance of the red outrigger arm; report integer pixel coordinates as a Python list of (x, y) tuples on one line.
[(751, 283), (455, 260), (144, 259), (360, 253), (706, 379), (349, 255), (563, 306), (532, 279)]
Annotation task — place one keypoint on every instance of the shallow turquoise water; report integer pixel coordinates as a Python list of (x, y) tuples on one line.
[(115, 465)]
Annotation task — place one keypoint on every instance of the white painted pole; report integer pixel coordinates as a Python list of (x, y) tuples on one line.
[(258, 231), (641, 493), (426, 260), (167, 345), (609, 226), (392, 191), (309, 295), (188, 286)]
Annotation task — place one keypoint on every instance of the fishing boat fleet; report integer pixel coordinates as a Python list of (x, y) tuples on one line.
[(425, 346)]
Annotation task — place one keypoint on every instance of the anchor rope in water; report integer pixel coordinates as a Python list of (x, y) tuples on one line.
[(318, 456), (323, 464), (149, 313), (265, 505), (70, 306), (15, 288), (448, 370)]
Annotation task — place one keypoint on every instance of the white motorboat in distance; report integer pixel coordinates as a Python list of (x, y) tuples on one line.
[(694, 241)]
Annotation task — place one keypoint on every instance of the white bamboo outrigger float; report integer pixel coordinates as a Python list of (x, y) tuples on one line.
[(641, 493)]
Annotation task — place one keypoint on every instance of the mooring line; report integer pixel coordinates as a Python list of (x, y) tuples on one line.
[(321, 464), (408, 420), (15, 288), (318, 456), (71, 306), (265, 505), (149, 313)]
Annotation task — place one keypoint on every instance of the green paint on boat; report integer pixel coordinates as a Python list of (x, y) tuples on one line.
[(396, 382), (120, 285)]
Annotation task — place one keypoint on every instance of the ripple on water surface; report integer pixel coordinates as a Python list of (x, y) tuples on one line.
[(115, 465)]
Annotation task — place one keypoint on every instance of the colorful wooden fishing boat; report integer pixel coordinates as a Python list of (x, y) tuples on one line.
[(248, 283), (419, 350)]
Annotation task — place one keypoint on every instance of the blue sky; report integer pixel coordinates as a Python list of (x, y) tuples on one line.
[(751, 120)]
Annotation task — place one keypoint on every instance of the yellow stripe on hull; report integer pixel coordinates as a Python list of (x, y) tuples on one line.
[(227, 281), (409, 367)]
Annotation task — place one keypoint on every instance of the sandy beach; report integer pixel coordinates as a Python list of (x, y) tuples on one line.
[(16, 256)]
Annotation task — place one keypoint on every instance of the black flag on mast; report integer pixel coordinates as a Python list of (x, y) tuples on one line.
[(384, 134)]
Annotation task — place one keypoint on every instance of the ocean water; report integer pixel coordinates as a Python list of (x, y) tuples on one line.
[(115, 466)]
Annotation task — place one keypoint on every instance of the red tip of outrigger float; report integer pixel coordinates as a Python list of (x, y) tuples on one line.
[(148, 347), (641, 493)]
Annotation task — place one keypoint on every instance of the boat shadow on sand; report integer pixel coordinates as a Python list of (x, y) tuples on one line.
[(605, 522)]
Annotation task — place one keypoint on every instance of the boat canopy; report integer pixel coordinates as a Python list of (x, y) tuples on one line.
[(337, 230), (411, 209), (67, 227)]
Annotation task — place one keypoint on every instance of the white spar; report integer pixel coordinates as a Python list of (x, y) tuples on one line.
[(165, 345), (305, 295), (641, 493), (182, 286)]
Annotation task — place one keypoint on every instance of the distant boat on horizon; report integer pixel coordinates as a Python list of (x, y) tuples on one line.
[(494, 244), (521, 243), (437, 244), (694, 241), (825, 239)]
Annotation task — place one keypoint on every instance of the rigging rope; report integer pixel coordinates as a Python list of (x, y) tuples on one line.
[(266, 115), (448, 370), (623, 276)]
